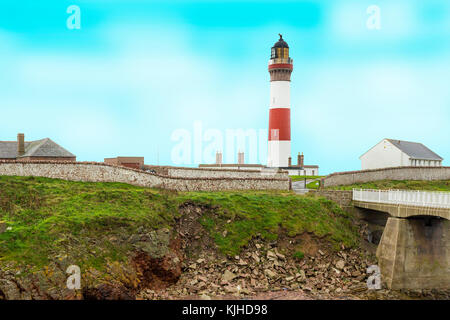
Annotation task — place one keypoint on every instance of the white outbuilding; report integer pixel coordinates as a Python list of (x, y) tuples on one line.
[(397, 153)]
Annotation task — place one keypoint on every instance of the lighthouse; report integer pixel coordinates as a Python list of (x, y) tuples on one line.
[(280, 69)]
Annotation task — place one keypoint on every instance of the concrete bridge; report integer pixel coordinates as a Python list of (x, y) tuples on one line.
[(414, 250)]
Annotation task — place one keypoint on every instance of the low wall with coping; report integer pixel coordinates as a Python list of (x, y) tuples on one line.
[(396, 173), (101, 172), (223, 173)]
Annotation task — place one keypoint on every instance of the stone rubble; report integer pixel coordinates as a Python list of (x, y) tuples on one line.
[(262, 269)]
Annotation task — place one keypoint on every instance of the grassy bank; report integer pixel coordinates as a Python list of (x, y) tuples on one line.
[(51, 219), (439, 185)]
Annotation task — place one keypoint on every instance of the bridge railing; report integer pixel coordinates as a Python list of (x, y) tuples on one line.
[(406, 197)]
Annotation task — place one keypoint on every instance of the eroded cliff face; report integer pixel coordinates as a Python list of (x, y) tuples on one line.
[(184, 263), (154, 261)]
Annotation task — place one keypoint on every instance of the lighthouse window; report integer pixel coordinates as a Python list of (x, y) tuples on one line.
[(273, 53)]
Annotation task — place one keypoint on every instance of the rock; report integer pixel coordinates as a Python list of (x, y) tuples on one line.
[(242, 262), (230, 289), (202, 278), (289, 279), (270, 273), (358, 288), (340, 264), (321, 252), (193, 282), (200, 261), (228, 276), (300, 276), (356, 274), (255, 257), (281, 256), (201, 285), (107, 292), (10, 289), (205, 297), (271, 255)]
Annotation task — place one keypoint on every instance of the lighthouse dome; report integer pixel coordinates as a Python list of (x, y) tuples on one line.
[(281, 43), (280, 50)]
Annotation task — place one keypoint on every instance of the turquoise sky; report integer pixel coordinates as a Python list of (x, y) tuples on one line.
[(138, 71)]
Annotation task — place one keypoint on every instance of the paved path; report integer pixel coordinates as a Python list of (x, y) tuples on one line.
[(300, 187)]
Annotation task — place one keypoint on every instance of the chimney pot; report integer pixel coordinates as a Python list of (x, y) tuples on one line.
[(240, 157), (218, 157)]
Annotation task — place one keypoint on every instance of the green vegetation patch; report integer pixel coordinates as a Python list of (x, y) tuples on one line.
[(299, 255), (90, 223), (51, 218), (240, 216), (313, 185), (438, 185)]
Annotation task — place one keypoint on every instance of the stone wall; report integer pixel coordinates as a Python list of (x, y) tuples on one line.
[(341, 197), (223, 173), (101, 172), (397, 173)]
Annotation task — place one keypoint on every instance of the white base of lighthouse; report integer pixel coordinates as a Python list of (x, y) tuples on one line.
[(278, 154)]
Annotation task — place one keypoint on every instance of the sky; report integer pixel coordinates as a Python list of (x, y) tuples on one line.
[(173, 80)]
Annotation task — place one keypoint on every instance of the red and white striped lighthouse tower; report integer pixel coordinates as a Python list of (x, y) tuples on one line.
[(280, 69)]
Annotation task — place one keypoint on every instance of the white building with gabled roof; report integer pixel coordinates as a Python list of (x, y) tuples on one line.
[(397, 153)]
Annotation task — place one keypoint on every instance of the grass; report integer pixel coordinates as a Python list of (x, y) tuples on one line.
[(245, 215), (301, 178), (313, 185), (438, 185), (299, 255), (52, 218)]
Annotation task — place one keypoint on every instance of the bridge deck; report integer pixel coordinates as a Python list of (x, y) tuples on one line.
[(404, 204)]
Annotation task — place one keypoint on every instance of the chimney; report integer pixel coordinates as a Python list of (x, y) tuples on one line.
[(300, 160), (20, 144), (218, 157), (289, 162), (240, 157)]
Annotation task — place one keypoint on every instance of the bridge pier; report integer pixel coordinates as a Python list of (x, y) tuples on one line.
[(414, 253)]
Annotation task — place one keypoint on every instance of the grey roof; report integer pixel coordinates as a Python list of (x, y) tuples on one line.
[(39, 148), (8, 149), (415, 150)]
